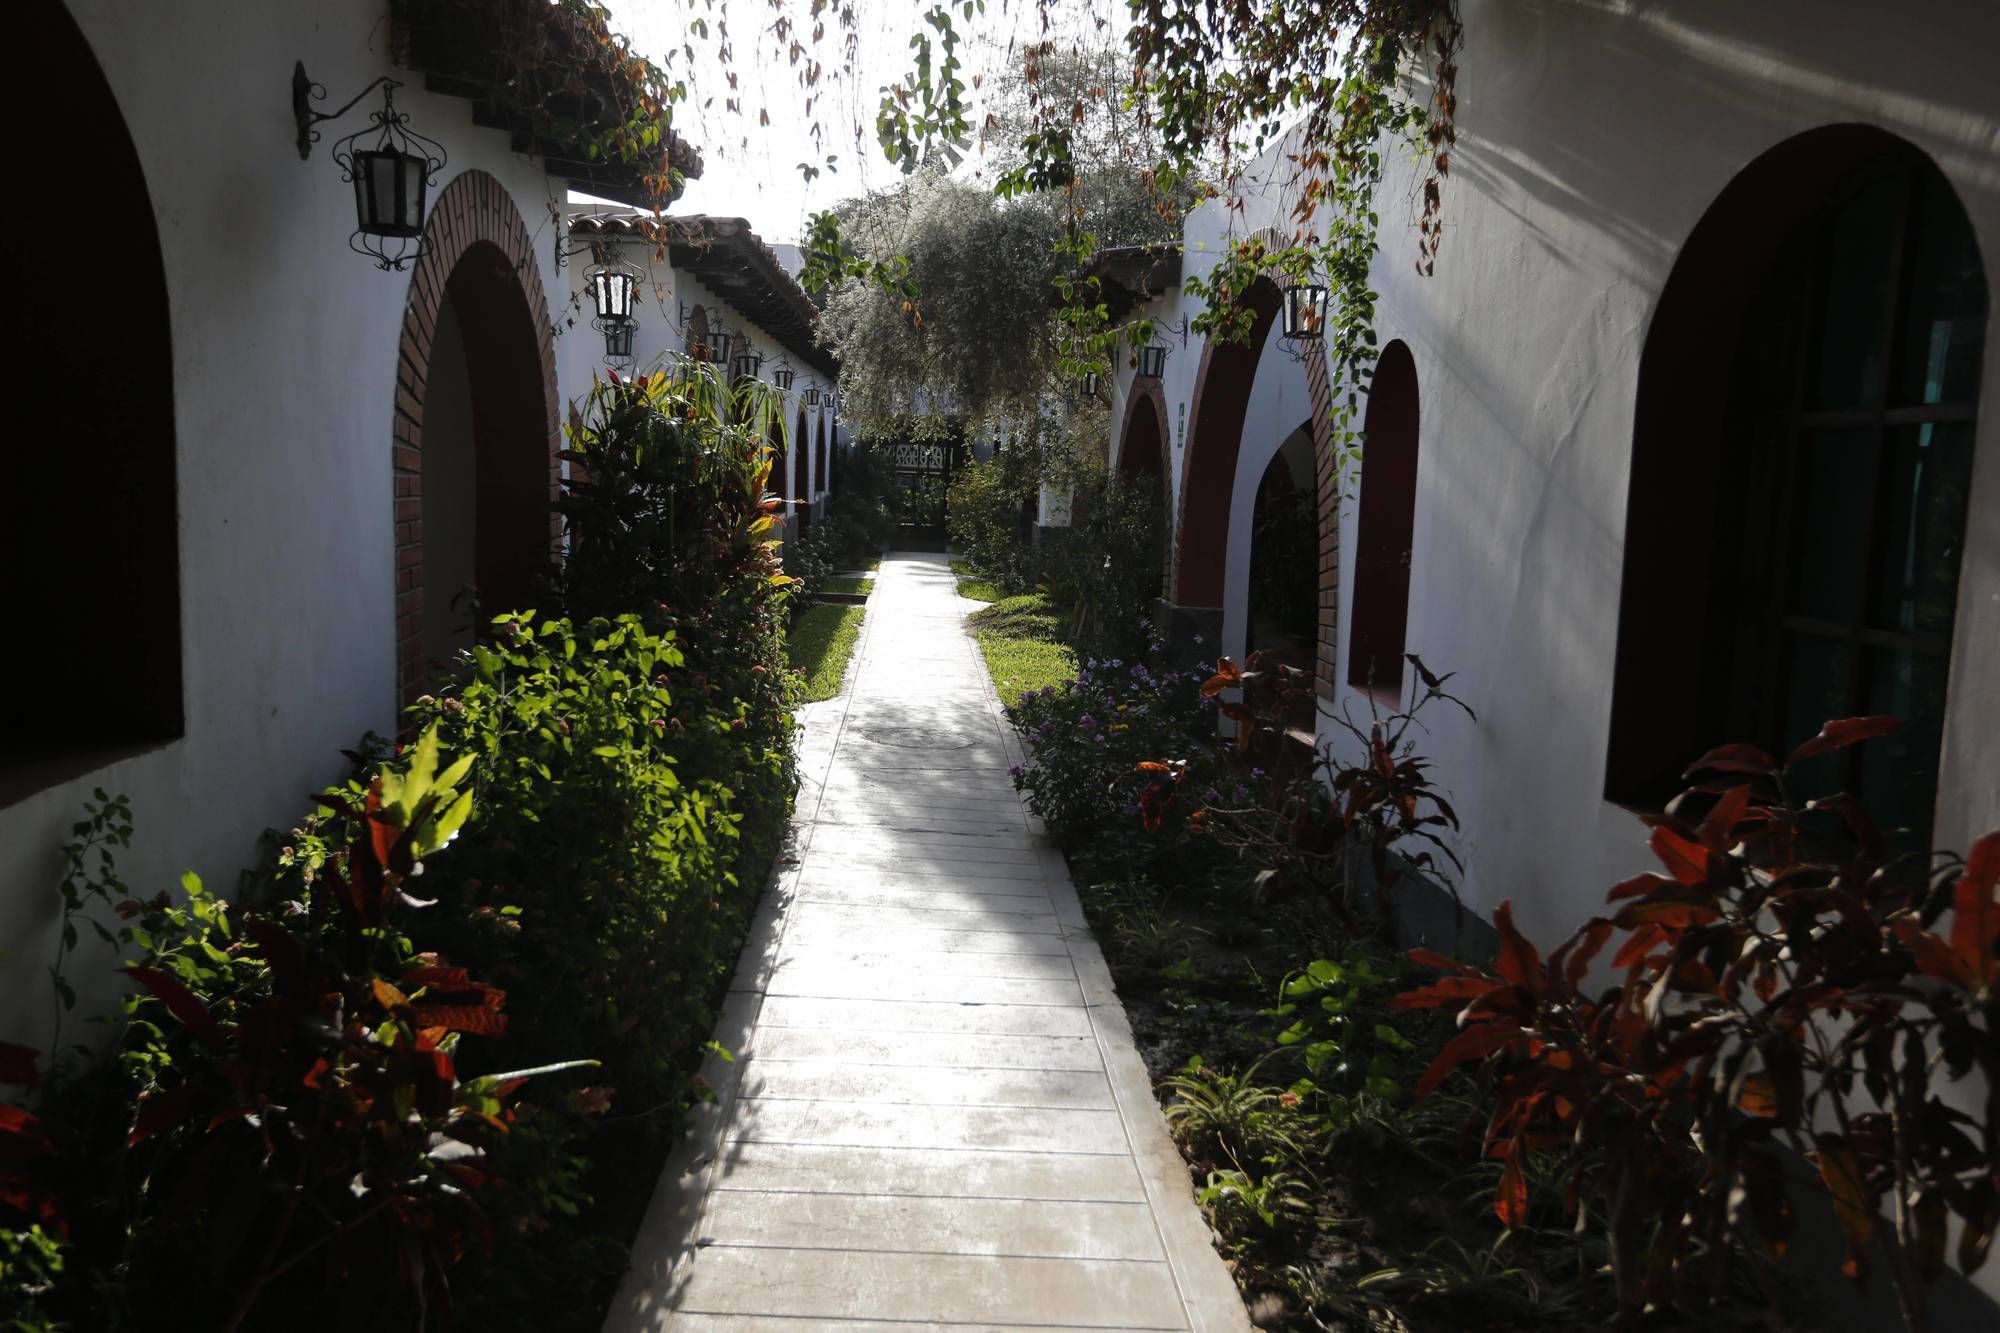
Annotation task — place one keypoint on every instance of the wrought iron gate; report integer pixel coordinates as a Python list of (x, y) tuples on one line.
[(923, 472)]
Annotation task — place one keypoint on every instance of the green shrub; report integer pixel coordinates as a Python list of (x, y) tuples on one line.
[(598, 880), (1104, 569), (669, 517), (1089, 734), (986, 516)]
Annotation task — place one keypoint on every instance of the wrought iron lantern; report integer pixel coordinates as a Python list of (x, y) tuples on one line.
[(1305, 312), (618, 340), (390, 166), (748, 363), (1090, 381), (783, 377), (613, 287), (1152, 361), (811, 394), (719, 342)]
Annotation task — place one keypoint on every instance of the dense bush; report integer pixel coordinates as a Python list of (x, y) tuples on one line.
[(285, 1137), (986, 516), (668, 516), (329, 1107), (1090, 734), (1105, 567)]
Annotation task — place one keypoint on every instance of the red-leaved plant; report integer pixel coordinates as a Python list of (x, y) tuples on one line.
[(299, 1092), (1785, 986)]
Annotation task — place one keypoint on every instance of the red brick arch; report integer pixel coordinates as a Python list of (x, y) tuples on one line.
[(474, 221), (1208, 474)]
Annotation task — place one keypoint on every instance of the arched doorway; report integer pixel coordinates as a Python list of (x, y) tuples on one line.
[(1142, 455), (94, 527), (819, 450), (1802, 455), (476, 433), (1282, 606), (1208, 473)]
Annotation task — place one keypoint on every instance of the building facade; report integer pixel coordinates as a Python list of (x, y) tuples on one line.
[(1683, 443), (279, 468)]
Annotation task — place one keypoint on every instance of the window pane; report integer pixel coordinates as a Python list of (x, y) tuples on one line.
[(1898, 781), (1847, 356), (1945, 327), (1831, 487), (1926, 485), (1819, 686)]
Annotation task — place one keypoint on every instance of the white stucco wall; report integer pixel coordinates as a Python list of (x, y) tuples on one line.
[(284, 358)]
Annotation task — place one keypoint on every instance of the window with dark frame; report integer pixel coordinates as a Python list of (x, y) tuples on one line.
[(1801, 469), (1869, 484), (92, 517)]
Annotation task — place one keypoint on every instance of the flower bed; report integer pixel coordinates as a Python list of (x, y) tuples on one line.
[(423, 1071)]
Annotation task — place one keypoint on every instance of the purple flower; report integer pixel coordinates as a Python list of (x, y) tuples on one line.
[(1100, 738), (1014, 771), (1087, 722), (1256, 772), (1212, 796), (1242, 793)]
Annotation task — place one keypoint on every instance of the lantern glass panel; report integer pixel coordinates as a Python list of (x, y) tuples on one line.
[(718, 346), (782, 377), (1305, 311), (618, 339), (1152, 361), (388, 193), (612, 291), (747, 365)]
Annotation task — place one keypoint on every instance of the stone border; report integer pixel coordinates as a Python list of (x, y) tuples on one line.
[(473, 207)]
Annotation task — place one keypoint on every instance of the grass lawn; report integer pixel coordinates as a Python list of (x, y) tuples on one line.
[(1018, 637), (971, 586), (854, 587), (819, 645)]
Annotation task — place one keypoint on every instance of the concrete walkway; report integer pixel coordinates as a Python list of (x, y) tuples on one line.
[(936, 1117)]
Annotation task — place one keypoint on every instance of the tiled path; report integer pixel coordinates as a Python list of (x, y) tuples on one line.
[(936, 1118)]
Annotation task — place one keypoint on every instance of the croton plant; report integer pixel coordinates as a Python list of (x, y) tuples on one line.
[(1781, 986)]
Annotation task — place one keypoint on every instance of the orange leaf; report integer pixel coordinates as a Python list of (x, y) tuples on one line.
[(1934, 958), (1687, 861), (1518, 962), (1840, 734), (1443, 991), (1432, 958), (1716, 828), (1472, 1044), (1975, 923), (1841, 1174), (1733, 759), (1758, 1096), (1510, 1202), (1637, 886)]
